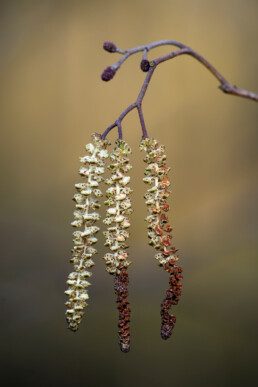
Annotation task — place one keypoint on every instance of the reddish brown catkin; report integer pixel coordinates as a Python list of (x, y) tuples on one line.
[(159, 230), (121, 282), (119, 206)]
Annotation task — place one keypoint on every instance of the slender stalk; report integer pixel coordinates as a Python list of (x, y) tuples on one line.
[(144, 130)]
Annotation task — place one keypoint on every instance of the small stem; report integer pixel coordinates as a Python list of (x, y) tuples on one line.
[(120, 133), (144, 55), (126, 111), (145, 85), (108, 130), (144, 130)]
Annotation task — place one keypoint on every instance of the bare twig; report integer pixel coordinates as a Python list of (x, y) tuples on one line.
[(110, 71), (225, 86)]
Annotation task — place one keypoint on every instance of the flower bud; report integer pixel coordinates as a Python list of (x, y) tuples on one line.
[(109, 46), (145, 65), (108, 74)]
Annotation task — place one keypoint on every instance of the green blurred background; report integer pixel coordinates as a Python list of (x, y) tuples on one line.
[(51, 100)]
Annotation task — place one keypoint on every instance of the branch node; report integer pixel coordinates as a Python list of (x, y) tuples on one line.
[(225, 87)]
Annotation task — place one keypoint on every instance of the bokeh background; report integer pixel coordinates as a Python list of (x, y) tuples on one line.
[(51, 100)]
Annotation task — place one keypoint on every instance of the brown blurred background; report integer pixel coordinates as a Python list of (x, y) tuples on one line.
[(51, 100)]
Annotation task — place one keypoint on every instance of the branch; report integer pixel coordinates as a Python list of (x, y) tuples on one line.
[(225, 86), (138, 105), (149, 67)]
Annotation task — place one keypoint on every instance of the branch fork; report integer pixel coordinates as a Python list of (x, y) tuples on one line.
[(150, 66)]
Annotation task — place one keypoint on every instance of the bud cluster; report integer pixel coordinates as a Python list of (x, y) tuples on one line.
[(159, 231), (85, 216), (119, 206)]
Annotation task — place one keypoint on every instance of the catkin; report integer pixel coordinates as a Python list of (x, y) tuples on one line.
[(119, 207), (85, 217), (159, 231)]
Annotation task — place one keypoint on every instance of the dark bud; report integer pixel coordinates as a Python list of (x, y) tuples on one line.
[(145, 65), (109, 46), (108, 74)]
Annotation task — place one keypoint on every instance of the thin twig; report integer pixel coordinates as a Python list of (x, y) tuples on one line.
[(137, 104), (225, 86), (147, 47)]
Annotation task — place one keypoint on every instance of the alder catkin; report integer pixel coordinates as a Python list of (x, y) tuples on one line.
[(85, 217), (119, 207), (159, 231)]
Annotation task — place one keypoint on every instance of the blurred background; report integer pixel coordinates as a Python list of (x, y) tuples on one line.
[(51, 100)]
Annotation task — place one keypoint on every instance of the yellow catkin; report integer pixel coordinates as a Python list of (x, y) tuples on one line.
[(119, 207), (85, 217)]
